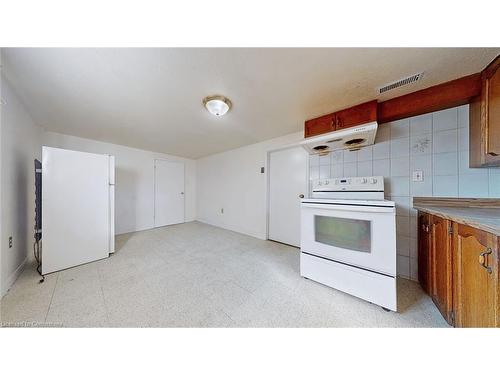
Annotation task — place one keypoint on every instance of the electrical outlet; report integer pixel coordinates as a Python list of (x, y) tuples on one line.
[(10, 242), (418, 176)]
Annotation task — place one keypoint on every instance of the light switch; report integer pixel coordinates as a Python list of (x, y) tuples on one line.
[(418, 176)]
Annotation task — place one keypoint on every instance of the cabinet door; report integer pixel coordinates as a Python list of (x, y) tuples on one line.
[(441, 266), (320, 125), (357, 115), (492, 88), (476, 278), (424, 247), (484, 118)]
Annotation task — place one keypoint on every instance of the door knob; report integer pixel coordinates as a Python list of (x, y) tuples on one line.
[(301, 196), (482, 259)]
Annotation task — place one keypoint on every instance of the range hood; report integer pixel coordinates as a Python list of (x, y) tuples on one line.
[(347, 139)]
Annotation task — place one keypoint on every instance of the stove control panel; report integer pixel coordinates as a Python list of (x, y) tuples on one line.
[(371, 183)]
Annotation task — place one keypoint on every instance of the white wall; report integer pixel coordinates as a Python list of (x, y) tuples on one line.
[(20, 145), (232, 180), (435, 143), (134, 205)]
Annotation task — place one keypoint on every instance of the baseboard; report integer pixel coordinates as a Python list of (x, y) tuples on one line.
[(232, 228), (13, 277)]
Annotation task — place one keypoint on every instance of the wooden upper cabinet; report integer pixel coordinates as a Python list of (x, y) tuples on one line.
[(475, 278), (424, 249), (320, 125), (357, 115), (485, 120), (441, 266)]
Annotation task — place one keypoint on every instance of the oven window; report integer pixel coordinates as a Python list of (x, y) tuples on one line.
[(348, 234)]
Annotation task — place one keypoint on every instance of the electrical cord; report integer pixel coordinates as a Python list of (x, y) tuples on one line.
[(36, 252)]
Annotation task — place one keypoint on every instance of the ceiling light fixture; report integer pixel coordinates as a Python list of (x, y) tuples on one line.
[(217, 105)]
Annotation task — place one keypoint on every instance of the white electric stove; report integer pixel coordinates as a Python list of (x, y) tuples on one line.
[(348, 238)]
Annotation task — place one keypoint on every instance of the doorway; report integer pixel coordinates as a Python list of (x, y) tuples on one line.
[(288, 183), (169, 193)]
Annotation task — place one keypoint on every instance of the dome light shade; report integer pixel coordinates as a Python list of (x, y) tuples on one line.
[(217, 105)]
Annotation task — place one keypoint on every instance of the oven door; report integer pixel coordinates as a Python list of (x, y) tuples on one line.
[(360, 236)]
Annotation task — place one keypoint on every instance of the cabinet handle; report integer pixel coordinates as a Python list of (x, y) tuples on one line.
[(425, 228), (491, 153), (482, 259)]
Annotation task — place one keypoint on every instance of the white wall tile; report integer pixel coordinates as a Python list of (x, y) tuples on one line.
[(365, 154), (445, 186), (402, 205), (383, 133), (494, 180), (403, 266), (381, 150), (314, 172), (314, 160), (337, 170), (337, 156), (350, 169), (324, 171), (463, 139), (422, 188), (421, 163), (414, 269), (365, 168), (445, 141), (400, 128), (463, 166), (473, 186), (400, 147), (421, 144), (463, 116), (413, 226), (413, 247), (350, 156), (403, 245), (400, 166), (445, 120), (324, 160), (403, 226), (382, 167), (445, 164), (398, 186), (421, 124)]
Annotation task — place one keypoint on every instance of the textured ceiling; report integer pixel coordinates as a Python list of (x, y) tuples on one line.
[(152, 98)]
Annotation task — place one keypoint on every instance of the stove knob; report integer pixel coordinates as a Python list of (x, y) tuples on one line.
[(364, 180), (373, 181), (320, 183), (327, 182), (336, 182)]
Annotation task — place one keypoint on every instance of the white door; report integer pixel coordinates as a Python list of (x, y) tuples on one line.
[(287, 183), (75, 208), (169, 192)]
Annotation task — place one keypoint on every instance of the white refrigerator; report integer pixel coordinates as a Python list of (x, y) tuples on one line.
[(78, 194)]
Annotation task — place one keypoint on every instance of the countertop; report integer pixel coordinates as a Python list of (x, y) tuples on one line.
[(483, 214)]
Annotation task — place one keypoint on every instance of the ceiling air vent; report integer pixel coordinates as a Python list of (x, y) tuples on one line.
[(402, 82)]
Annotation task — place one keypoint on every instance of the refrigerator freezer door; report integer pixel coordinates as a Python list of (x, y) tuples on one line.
[(111, 204), (76, 209)]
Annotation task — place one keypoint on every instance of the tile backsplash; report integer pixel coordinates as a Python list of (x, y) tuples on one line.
[(436, 144)]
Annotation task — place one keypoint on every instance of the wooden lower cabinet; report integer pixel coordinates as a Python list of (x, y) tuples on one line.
[(476, 277), (460, 271), (441, 266), (424, 257)]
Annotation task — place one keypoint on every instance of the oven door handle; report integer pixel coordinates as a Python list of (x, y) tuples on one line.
[(350, 208)]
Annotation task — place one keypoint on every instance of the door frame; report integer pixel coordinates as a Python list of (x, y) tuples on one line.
[(268, 179), (154, 188)]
